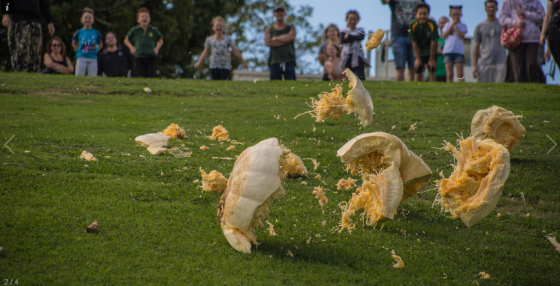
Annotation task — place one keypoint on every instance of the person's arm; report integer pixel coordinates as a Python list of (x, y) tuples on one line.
[(418, 60), (460, 34), (505, 15), (69, 66), (287, 38), (131, 48), (75, 45), (546, 21), (446, 32), (321, 58), (347, 38), (237, 53), (203, 57), (329, 68), (48, 62), (46, 10), (475, 55), (537, 16), (433, 48), (6, 21), (268, 39), (158, 46), (385, 2)]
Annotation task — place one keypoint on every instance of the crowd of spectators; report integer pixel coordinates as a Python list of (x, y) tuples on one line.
[(417, 41)]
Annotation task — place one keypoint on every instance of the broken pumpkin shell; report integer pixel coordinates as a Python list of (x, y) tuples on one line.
[(358, 99), (256, 180), (375, 40), (475, 186), (296, 166), (498, 124), (373, 152), (152, 139)]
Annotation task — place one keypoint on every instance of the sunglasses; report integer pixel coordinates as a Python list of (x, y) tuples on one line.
[(56, 45)]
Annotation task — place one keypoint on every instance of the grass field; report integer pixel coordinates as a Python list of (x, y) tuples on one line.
[(158, 227)]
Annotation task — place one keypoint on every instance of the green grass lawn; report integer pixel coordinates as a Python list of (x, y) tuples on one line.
[(157, 226)]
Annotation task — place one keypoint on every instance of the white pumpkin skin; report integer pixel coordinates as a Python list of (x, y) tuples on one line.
[(255, 181), (358, 99), (152, 139)]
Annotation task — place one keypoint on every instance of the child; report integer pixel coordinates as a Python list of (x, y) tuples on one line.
[(86, 42), (424, 36), (333, 64), (441, 74), (453, 52), (147, 42), (218, 47), (332, 36), (351, 38)]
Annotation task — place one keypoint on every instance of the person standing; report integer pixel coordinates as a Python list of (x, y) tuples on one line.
[(351, 39), (489, 56), (25, 36), (114, 60), (218, 47), (453, 50), (147, 42), (280, 38), (528, 15), (86, 43), (551, 29), (424, 36), (402, 13)]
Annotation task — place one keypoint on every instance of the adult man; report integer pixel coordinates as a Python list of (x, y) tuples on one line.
[(114, 60), (489, 56), (402, 13), (25, 36), (280, 38)]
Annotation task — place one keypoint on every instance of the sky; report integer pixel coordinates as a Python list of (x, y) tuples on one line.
[(374, 15)]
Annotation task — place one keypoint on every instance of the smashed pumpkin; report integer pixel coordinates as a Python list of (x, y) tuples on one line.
[(498, 124)]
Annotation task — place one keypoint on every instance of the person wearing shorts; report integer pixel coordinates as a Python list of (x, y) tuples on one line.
[(424, 36), (402, 13), (489, 56), (453, 51)]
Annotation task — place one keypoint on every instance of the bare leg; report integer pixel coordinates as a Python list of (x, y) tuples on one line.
[(432, 76), (399, 74), (449, 71), (460, 74), (410, 74), (419, 77)]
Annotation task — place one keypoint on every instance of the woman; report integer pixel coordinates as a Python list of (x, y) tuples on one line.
[(526, 14), (331, 37), (551, 29), (55, 59)]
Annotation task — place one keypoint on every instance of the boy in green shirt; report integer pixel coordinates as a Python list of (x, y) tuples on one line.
[(424, 36), (147, 42)]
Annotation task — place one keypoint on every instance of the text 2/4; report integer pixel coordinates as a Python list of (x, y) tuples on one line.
[(11, 282)]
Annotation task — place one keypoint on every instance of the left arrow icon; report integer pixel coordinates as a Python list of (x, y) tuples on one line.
[(6, 144)]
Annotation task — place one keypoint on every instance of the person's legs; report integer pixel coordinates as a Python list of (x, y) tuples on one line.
[(500, 73), (138, 67), (485, 73), (518, 63), (359, 70), (289, 71), (410, 59), (448, 61), (91, 67), (150, 67), (460, 69), (81, 66), (275, 72), (399, 51), (534, 70), (35, 47), (554, 41), (419, 76), (17, 41)]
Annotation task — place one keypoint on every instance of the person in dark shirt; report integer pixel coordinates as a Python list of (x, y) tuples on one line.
[(56, 61), (113, 60), (25, 36), (424, 35)]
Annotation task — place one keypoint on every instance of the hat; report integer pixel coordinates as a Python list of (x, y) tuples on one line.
[(279, 7)]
